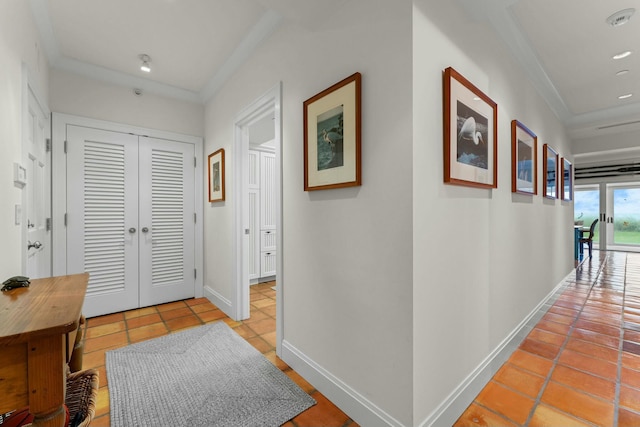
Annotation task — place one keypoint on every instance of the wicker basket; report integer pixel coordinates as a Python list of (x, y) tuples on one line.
[(82, 392)]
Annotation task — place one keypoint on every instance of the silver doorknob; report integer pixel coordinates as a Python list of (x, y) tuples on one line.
[(35, 244), (132, 230), (145, 229)]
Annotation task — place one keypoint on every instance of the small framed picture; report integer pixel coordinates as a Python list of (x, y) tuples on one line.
[(470, 134), (332, 122), (550, 172), (567, 180), (524, 159), (216, 176)]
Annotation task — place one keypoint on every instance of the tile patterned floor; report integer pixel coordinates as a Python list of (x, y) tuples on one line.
[(580, 365), (112, 331)]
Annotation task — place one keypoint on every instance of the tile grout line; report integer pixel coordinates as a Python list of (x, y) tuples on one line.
[(538, 399), (616, 399)]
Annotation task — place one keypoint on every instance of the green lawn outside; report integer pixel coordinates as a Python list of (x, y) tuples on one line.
[(626, 237)]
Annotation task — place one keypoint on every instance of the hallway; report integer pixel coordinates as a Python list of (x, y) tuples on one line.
[(580, 365)]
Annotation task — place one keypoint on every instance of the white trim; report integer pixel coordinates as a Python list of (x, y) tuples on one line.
[(269, 103), (218, 300), (359, 408), (59, 195), (459, 399)]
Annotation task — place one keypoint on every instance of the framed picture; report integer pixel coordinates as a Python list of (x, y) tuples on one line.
[(470, 134), (332, 136), (567, 180), (524, 159), (216, 176), (550, 172)]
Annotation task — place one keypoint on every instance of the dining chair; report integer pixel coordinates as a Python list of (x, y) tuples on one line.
[(588, 239)]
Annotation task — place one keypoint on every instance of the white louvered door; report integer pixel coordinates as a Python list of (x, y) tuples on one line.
[(167, 222), (102, 217), (268, 202), (254, 214), (131, 207)]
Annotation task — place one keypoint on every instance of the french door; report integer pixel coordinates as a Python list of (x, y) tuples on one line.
[(588, 206), (623, 221), (617, 206), (130, 218)]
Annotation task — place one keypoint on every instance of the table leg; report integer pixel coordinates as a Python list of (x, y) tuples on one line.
[(47, 380)]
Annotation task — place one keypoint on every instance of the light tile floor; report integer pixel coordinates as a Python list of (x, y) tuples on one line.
[(112, 331), (580, 365)]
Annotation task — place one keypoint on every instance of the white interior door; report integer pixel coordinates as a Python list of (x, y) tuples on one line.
[(167, 221), (36, 215), (102, 216), (254, 215)]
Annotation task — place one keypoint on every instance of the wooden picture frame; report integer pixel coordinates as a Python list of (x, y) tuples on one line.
[(524, 159), (567, 180), (470, 134), (550, 172), (332, 145), (216, 176)]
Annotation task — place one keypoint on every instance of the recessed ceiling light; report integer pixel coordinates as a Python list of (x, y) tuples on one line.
[(621, 17), (628, 95), (622, 72), (622, 55)]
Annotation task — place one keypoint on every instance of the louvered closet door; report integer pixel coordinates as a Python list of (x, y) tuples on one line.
[(102, 216), (167, 208)]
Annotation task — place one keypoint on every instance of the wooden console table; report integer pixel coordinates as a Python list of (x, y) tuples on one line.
[(37, 333)]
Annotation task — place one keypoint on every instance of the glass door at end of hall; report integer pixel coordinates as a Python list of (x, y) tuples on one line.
[(623, 216), (587, 208)]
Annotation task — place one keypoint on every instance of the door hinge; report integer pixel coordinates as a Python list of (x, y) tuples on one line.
[(65, 219), (195, 161), (65, 146), (195, 218), (48, 224), (195, 273), (47, 145)]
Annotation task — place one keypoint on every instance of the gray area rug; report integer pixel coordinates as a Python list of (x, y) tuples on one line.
[(205, 376)]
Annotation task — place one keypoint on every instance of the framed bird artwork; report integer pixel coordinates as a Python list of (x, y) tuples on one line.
[(332, 122), (470, 134)]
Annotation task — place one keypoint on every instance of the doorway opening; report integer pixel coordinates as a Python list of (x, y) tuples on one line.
[(258, 225), (615, 205)]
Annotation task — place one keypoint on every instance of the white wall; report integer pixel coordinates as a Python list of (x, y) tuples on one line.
[(483, 259), (81, 96), (19, 44), (347, 252)]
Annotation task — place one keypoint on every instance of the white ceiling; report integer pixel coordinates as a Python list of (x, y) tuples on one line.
[(195, 45)]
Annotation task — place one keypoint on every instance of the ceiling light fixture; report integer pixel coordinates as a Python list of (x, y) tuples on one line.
[(628, 95), (145, 62), (621, 17), (622, 72), (622, 55)]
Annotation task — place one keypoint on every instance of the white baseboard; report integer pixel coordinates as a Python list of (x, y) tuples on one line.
[(358, 407), (447, 413), (219, 301), (366, 413)]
